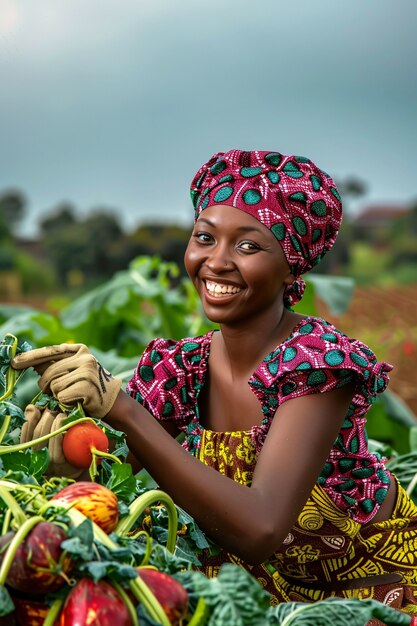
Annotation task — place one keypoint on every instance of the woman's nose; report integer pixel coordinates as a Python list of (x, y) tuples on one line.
[(219, 259)]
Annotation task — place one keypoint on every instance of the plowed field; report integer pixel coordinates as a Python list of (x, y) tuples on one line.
[(386, 319)]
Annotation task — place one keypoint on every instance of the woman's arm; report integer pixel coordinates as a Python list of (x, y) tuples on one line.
[(250, 522), (170, 428)]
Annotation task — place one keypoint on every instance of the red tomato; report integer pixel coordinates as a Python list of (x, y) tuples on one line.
[(78, 442)]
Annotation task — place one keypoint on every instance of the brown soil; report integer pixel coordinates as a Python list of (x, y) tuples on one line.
[(386, 319)]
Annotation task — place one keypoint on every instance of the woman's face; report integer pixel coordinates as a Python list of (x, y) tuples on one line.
[(236, 265)]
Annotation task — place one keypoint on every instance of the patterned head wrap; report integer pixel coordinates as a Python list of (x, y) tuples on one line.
[(292, 197)]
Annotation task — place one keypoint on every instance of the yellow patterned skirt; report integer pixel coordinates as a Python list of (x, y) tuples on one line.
[(326, 553)]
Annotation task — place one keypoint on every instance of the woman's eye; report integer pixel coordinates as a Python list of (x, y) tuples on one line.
[(248, 246), (203, 237)]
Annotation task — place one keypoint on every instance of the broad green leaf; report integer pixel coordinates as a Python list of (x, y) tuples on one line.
[(117, 570), (38, 328), (28, 462), (389, 421), (381, 448), (129, 310), (405, 469), (184, 551), (81, 541), (233, 597), (335, 291), (307, 304), (397, 408), (335, 612), (122, 482), (413, 438), (12, 310)]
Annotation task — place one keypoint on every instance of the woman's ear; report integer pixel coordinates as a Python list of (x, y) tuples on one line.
[(289, 279)]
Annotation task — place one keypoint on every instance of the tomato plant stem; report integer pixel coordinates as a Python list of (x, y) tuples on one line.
[(53, 613), (144, 595), (148, 550), (141, 503), (200, 615), (95, 453), (18, 514), (11, 373), (5, 427), (132, 611)]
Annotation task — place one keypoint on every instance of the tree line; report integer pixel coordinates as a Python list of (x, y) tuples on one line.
[(73, 251), (80, 252)]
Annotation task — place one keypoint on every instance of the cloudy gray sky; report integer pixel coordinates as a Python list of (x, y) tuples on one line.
[(116, 103)]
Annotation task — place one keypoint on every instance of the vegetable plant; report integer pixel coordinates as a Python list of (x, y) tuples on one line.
[(171, 595), (115, 550), (95, 501), (82, 441), (39, 561), (95, 603)]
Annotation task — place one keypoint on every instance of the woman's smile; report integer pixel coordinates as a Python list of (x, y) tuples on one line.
[(237, 266), (220, 290)]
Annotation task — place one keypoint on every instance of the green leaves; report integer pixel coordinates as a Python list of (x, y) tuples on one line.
[(132, 308), (335, 612), (28, 465), (123, 483), (233, 597), (335, 291)]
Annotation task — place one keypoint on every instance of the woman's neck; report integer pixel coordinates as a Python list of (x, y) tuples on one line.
[(243, 347)]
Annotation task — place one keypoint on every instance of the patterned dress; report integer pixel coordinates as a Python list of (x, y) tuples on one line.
[(334, 542)]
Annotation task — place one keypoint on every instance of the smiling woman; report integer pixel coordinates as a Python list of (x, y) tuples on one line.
[(237, 266), (275, 465)]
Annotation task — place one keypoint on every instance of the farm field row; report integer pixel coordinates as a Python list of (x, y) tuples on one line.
[(386, 319)]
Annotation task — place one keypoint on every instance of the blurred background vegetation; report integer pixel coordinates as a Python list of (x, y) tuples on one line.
[(74, 263), (376, 246)]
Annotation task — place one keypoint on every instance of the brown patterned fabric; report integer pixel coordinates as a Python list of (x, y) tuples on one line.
[(326, 550)]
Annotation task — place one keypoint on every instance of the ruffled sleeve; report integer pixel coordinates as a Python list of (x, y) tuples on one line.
[(162, 384), (318, 358)]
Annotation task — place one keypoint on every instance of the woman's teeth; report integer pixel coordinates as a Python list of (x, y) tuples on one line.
[(217, 290)]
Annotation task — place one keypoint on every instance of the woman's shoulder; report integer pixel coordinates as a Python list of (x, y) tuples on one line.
[(187, 351), (164, 360), (168, 374), (316, 332), (319, 351)]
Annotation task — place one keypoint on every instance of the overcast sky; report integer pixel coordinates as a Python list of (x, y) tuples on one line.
[(116, 103)]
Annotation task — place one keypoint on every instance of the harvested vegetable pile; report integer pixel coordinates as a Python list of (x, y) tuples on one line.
[(110, 551)]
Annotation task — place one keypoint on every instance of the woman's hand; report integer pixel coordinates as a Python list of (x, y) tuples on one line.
[(42, 422), (72, 374)]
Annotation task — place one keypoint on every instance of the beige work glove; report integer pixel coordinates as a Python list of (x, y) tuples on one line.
[(40, 422), (72, 374)]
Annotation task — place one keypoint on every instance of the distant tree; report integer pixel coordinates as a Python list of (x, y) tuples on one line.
[(168, 241), (104, 232), (5, 233), (402, 236), (60, 218), (12, 210), (90, 246), (405, 224), (352, 187)]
